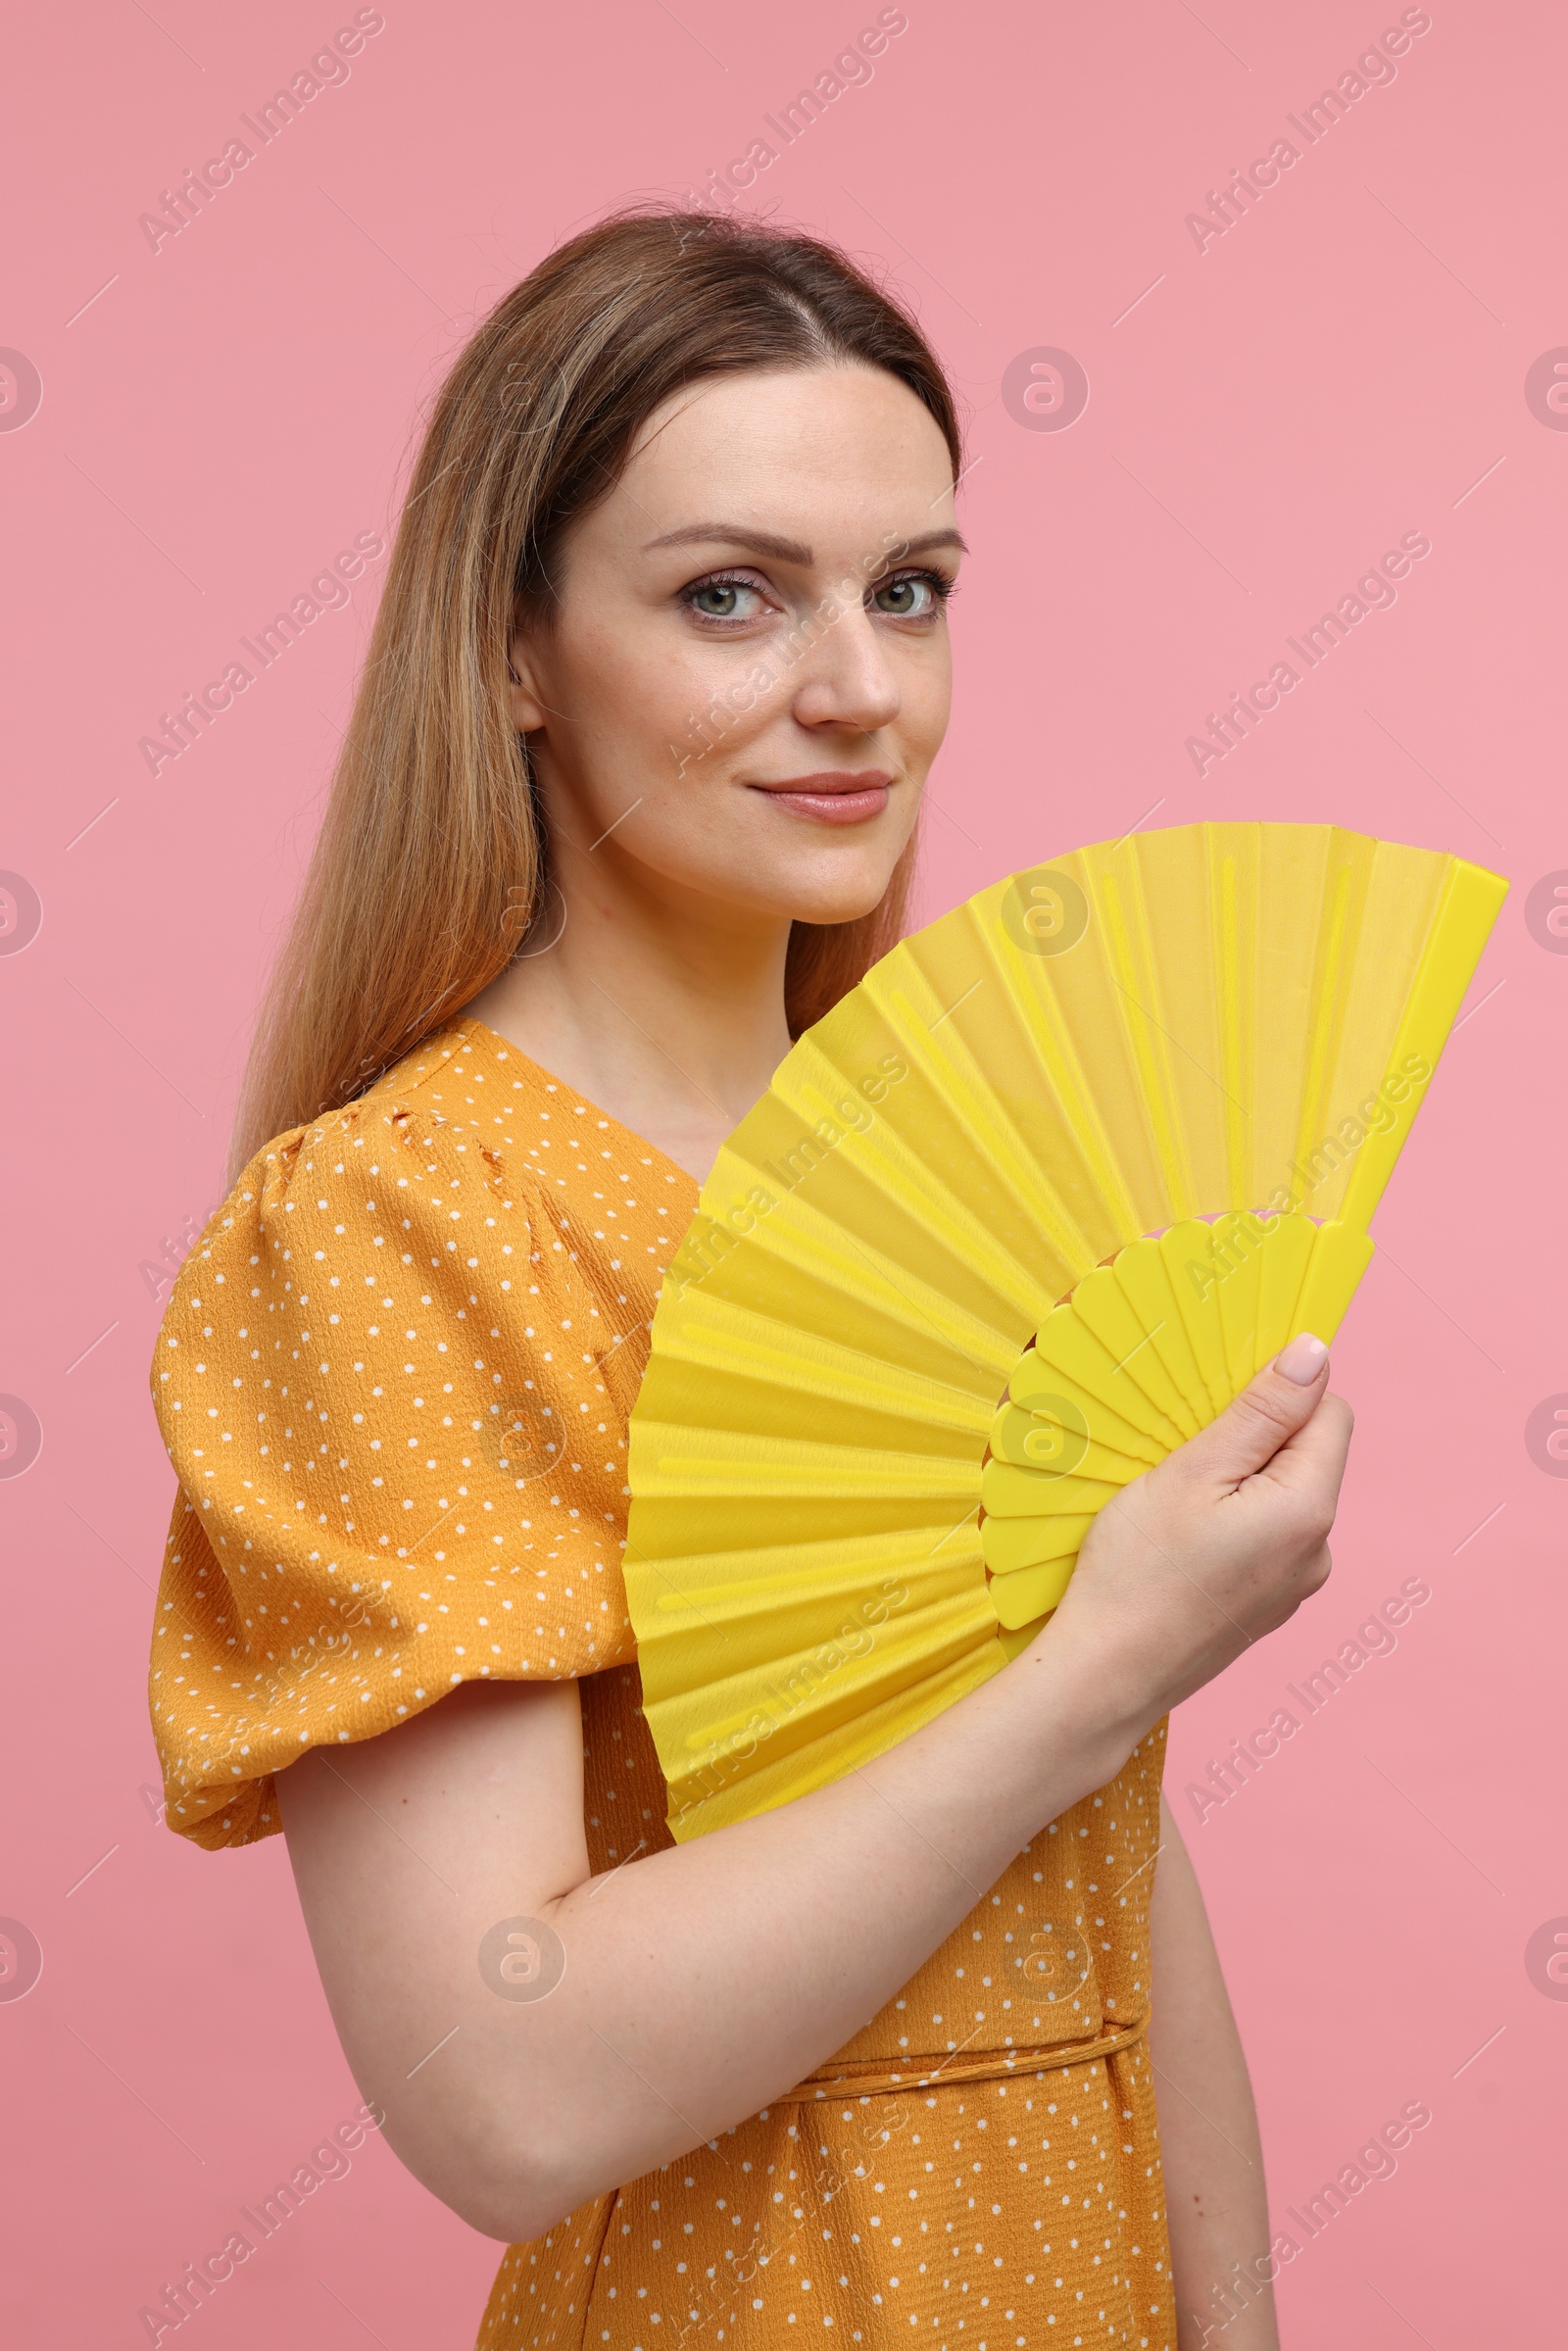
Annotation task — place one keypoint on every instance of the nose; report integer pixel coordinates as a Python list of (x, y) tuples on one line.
[(845, 678)]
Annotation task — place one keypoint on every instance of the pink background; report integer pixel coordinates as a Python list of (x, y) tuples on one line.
[(1266, 417)]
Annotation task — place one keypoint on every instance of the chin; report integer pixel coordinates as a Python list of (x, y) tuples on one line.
[(823, 878), (842, 903), (838, 888), (839, 908)]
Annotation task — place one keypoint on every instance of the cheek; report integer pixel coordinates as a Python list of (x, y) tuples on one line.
[(644, 687), (928, 696)]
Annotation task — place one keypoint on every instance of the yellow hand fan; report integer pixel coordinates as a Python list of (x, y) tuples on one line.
[(1027, 1210)]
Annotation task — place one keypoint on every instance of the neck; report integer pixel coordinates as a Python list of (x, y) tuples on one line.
[(662, 1007)]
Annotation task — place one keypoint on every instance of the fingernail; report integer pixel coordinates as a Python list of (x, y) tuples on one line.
[(1302, 1359)]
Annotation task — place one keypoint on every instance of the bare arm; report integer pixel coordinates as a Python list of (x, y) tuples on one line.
[(1215, 2200), (700, 1983)]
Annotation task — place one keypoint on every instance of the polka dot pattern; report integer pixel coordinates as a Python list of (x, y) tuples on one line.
[(394, 1378), (979, 2167), (1007, 2214)]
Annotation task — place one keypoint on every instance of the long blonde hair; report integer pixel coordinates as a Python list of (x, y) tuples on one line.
[(428, 871)]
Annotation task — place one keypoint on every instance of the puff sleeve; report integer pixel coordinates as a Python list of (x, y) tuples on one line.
[(395, 1395)]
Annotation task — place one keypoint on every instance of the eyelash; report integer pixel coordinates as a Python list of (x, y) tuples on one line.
[(938, 581), (940, 585)]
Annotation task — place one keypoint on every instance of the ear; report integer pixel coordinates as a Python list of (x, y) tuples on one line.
[(529, 708)]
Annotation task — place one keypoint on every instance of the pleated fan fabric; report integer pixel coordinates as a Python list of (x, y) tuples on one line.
[(1189, 1053)]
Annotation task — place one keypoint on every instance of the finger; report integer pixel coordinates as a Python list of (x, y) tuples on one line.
[(1315, 1454), (1271, 1410)]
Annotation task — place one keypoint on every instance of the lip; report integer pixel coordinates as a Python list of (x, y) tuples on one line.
[(834, 796)]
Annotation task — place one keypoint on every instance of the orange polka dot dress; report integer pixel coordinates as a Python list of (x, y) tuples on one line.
[(394, 1378)]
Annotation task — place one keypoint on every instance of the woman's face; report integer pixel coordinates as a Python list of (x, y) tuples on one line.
[(747, 674)]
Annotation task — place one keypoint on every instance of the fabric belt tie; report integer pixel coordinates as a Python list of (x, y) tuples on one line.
[(874, 2080)]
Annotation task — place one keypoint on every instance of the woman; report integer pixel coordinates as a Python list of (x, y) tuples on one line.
[(628, 799)]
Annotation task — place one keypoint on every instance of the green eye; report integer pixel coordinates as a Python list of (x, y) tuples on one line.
[(913, 599), (725, 598)]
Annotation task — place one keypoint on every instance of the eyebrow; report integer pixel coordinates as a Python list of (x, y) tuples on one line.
[(788, 550)]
